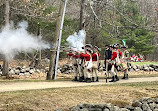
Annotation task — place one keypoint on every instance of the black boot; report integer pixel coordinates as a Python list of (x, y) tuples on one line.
[(97, 80), (117, 79), (88, 80), (92, 79), (113, 79), (75, 79), (124, 76), (81, 79)]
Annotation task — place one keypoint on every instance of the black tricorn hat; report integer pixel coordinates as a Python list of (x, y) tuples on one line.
[(90, 51), (117, 44), (123, 46), (89, 45), (95, 47)]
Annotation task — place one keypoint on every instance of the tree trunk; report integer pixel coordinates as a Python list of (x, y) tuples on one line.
[(51, 73), (39, 51), (82, 17), (5, 70)]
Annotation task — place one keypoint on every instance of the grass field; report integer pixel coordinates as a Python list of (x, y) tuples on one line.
[(50, 99), (143, 63)]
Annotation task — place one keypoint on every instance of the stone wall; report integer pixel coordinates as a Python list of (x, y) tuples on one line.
[(144, 104)]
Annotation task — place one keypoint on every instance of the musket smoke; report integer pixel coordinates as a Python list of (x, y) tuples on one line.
[(16, 40), (76, 41)]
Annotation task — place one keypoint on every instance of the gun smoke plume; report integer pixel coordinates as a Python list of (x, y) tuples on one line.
[(16, 40), (76, 41)]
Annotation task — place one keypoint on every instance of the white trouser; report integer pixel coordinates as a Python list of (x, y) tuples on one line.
[(76, 71), (94, 70), (113, 71)]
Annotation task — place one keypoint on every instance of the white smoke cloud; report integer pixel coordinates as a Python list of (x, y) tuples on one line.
[(76, 41), (16, 40)]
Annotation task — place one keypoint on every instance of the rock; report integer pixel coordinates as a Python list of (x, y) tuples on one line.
[(24, 67), (106, 109), (18, 68), (31, 68), (47, 69), (136, 103), (100, 106), (156, 70), (75, 108), (81, 106), (146, 68), (150, 100), (146, 100), (156, 100), (66, 72), (154, 66), (17, 71), (43, 71), (137, 109), (141, 67), (58, 71), (116, 108), (137, 69), (94, 109), (152, 106), (134, 67), (156, 109), (124, 109), (28, 69), (145, 107), (129, 107), (131, 70), (26, 73), (151, 69), (21, 74), (9, 68), (85, 109), (109, 106), (23, 71), (151, 65), (38, 71), (11, 72), (138, 66), (31, 71), (58, 110), (46, 60)]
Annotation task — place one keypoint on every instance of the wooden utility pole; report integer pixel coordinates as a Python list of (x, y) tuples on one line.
[(56, 42), (5, 70)]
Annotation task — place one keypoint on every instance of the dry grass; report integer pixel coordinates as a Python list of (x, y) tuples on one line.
[(50, 99)]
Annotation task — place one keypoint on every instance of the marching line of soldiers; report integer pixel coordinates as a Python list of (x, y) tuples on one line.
[(86, 63), (116, 60)]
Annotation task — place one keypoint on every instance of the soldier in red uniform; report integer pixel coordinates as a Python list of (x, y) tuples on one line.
[(81, 67), (88, 64), (70, 55), (115, 61), (74, 60), (76, 65), (95, 59)]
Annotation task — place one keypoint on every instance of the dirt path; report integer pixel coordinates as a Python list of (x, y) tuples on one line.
[(17, 86)]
